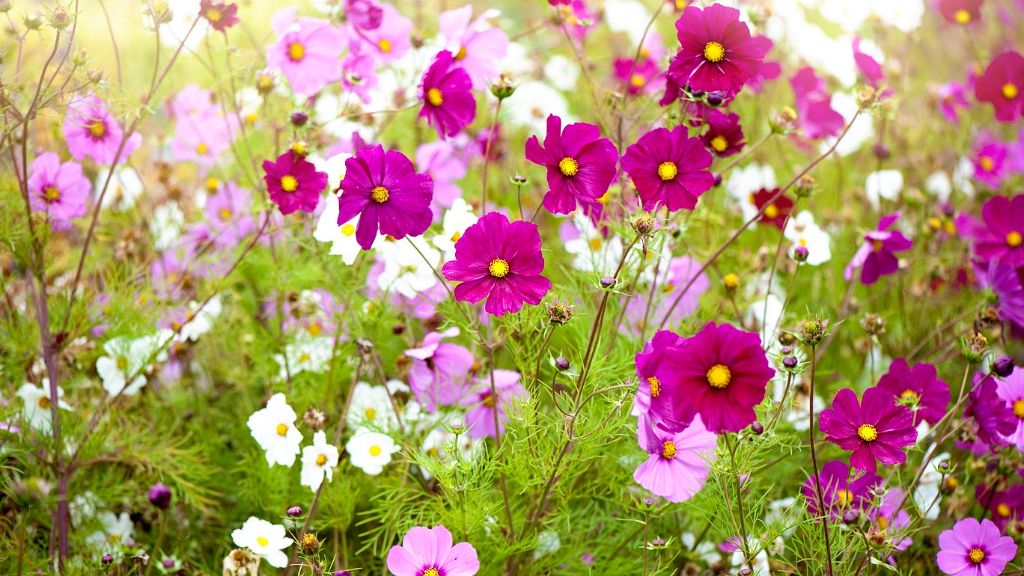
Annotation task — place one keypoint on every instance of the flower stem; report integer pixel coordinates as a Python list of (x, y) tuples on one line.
[(814, 464)]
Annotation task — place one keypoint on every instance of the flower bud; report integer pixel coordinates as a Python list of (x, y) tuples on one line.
[(309, 543), (33, 21), (731, 282), (299, 118), (790, 361), (643, 224), (608, 282), (1003, 366), (881, 151), (314, 418), (715, 99), (106, 559), (294, 512), (805, 185), (783, 120), (865, 97), (519, 180), (873, 324), (813, 331), (300, 147), (5, 6), (560, 313), (800, 253), (757, 428), (503, 88), (168, 563), (264, 83), (59, 18), (973, 348), (159, 495), (561, 363), (851, 516)]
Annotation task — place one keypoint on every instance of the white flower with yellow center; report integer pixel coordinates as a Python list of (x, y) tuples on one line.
[(126, 359), (406, 271), (343, 237), (274, 430), (318, 461), (371, 408), (266, 540), (803, 231), (308, 353), (370, 451), (116, 532), (38, 404), (200, 319), (454, 224)]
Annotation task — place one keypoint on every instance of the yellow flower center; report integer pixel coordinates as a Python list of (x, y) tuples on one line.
[(668, 451), (909, 397), (370, 413), (882, 522), (877, 245), (321, 459), (212, 184), (289, 183), (282, 429), (314, 328), (435, 97), (771, 211), (498, 268), (213, 15), (431, 572), (844, 498), (655, 386), (299, 147), (384, 45), (122, 363), (987, 163), (719, 376), (456, 236), (637, 81), (51, 194), (461, 54), (98, 128), (714, 51), (1013, 239), (296, 51), (225, 213), (595, 244), (977, 555), (380, 195), (731, 281), (1018, 409), (568, 166), (1003, 510), (488, 401), (348, 230), (719, 143), (262, 541), (44, 403), (375, 450), (667, 171), (962, 16), (867, 433), (1010, 91)]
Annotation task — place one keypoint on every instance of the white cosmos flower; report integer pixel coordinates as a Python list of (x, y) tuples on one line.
[(803, 231), (591, 251), (370, 451), (37, 399), (166, 225), (342, 238), (371, 408), (125, 358), (454, 224), (116, 531), (124, 188), (883, 184), (405, 270), (744, 181), (928, 488), (318, 461), (307, 353), (266, 540), (334, 167), (201, 320), (274, 430), (939, 185), (531, 105), (562, 72), (184, 14)]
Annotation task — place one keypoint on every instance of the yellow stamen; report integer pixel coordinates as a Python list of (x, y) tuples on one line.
[(51, 194), (655, 386), (282, 429), (456, 236), (867, 433), (296, 51), (668, 451), (877, 245), (731, 281), (987, 163), (568, 166), (321, 459), (909, 397), (98, 128), (44, 403), (348, 230), (434, 97), (498, 268), (637, 81), (431, 572), (213, 15), (719, 143), (844, 498), (962, 16), (380, 195), (667, 171), (375, 450), (595, 244), (976, 555), (225, 213), (771, 211), (714, 51), (719, 376), (1018, 409), (461, 54), (1013, 239), (370, 413), (384, 45), (263, 542), (289, 183), (1010, 91), (202, 148)]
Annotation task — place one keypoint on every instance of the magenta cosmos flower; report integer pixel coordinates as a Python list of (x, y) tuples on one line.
[(677, 466), (483, 409), (92, 132), (500, 261), (724, 135), (647, 363), (839, 490), (877, 255), (993, 418), (384, 190), (960, 11), (429, 552), (717, 52), (918, 388), (813, 102), (719, 373), (308, 51), (439, 374), (877, 428), (669, 169), (973, 548), (1001, 238), (580, 165), (1011, 390), (447, 94), (293, 183), (220, 15), (58, 190), (1002, 85)]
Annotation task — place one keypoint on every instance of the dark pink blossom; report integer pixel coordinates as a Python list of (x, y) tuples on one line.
[(876, 428), (876, 257), (447, 94), (669, 168), (841, 489), (724, 135), (1000, 237), (717, 52), (919, 388), (293, 183), (815, 114), (1002, 86)]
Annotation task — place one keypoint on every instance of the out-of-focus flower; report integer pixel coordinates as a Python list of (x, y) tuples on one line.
[(952, 98), (877, 255), (804, 232), (307, 52), (439, 375), (456, 221), (220, 15), (724, 135), (1002, 86), (989, 161), (815, 114), (57, 189), (484, 409), (775, 208), (477, 46), (961, 12), (919, 388), (264, 539), (1000, 237), (38, 412), (408, 267), (841, 490), (668, 168), (92, 132), (390, 41), (115, 532)]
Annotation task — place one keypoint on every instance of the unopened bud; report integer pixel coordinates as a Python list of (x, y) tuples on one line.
[(800, 253), (731, 282), (299, 118), (294, 512), (1003, 366), (757, 428), (561, 363), (643, 224), (607, 282)]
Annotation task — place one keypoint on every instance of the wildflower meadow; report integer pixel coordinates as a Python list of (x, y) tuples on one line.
[(512, 287)]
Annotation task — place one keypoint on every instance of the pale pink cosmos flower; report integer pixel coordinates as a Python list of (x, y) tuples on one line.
[(92, 132), (477, 46), (677, 464), (391, 40), (308, 51), (429, 552), (59, 190)]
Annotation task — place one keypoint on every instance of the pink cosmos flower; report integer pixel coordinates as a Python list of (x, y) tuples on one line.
[(724, 135), (447, 95), (841, 489), (952, 98), (429, 552), (642, 77), (445, 164), (989, 161), (440, 370), (1004, 281), (364, 14), (308, 51), (877, 255), (202, 132), (92, 132), (359, 71), (1001, 237), (719, 373), (478, 47), (58, 190), (390, 40), (875, 428), (677, 464), (993, 419), (891, 520), (869, 68), (717, 52), (769, 70), (1002, 85), (647, 363), (1011, 390), (482, 406), (580, 166), (227, 211), (961, 12), (680, 271), (973, 548), (669, 169), (776, 207), (1005, 506), (919, 388), (385, 191), (815, 114), (293, 183), (500, 261), (220, 15)]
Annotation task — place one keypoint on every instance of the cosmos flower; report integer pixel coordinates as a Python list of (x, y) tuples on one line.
[(804, 232), (1002, 86), (409, 267), (673, 278), (869, 68), (384, 190), (447, 95), (841, 489), (390, 40), (877, 428), (307, 52), (318, 462), (342, 237), (363, 14), (961, 12), (1000, 237), (478, 47), (57, 189), (720, 373), (220, 15), (1004, 506), (993, 418), (724, 135), (264, 539), (371, 451), (125, 358), (37, 411), (972, 548), (989, 161), (918, 388), (273, 428), (892, 521), (647, 363), (456, 221), (876, 257), (429, 552), (439, 373), (445, 163), (815, 115), (484, 408), (717, 52), (1004, 281), (775, 208), (952, 98), (227, 212), (641, 76), (500, 261), (115, 533), (669, 168), (677, 464), (293, 183), (92, 132), (580, 166)]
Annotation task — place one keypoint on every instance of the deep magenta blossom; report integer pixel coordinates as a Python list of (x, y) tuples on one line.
[(724, 135), (439, 374), (500, 261), (869, 68), (92, 132), (918, 388), (877, 428), (952, 98), (989, 161), (484, 409), (308, 51), (1001, 237), (669, 169), (677, 464), (293, 183), (1004, 506), (993, 418), (384, 190), (447, 94), (719, 373), (841, 489), (57, 189), (638, 76), (1002, 86), (876, 257), (580, 166), (972, 548), (717, 52), (430, 551), (647, 363), (815, 114)]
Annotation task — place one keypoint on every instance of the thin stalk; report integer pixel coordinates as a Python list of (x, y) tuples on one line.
[(814, 464)]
